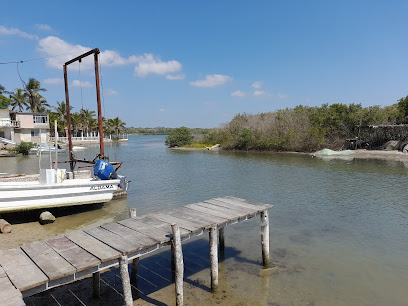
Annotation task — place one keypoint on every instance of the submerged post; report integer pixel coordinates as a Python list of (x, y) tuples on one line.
[(179, 265), (265, 238), (124, 273), (133, 273), (96, 278), (214, 258), (221, 242)]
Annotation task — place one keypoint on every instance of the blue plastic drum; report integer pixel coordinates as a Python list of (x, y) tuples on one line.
[(103, 169)]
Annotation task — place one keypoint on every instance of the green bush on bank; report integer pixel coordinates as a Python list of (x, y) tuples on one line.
[(179, 137), (24, 147), (303, 128)]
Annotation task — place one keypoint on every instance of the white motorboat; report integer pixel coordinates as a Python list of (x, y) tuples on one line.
[(53, 190), (57, 187)]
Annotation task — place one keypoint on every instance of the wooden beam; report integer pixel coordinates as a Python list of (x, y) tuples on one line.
[(214, 258), (124, 273), (179, 265), (265, 238)]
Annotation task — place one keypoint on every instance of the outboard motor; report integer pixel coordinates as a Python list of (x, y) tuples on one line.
[(103, 170)]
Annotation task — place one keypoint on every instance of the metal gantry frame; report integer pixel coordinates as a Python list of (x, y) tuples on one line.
[(72, 158)]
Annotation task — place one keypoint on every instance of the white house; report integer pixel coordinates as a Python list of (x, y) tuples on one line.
[(17, 127)]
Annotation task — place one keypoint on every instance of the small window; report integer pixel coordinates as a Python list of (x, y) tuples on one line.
[(35, 133), (40, 119)]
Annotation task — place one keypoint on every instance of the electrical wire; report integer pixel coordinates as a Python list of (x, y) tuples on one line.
[(35, 59)]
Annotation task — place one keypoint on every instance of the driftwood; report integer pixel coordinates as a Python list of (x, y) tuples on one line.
[(5, 227)]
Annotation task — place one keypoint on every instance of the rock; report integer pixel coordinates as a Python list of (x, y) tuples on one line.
[(46, 217), (391, 145)]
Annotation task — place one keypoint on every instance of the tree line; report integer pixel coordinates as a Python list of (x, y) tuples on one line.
[(304, 128), (30, 99)]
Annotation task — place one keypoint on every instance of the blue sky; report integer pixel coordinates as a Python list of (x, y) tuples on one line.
[(198, 63)]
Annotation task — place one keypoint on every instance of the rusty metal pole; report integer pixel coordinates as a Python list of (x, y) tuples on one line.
[(71, 154), (98, 99)]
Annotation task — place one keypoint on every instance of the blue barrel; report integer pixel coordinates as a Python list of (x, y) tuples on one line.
[(103, 169)]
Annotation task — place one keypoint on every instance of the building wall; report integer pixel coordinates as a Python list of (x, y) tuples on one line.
[(4, 114), (26, 120)]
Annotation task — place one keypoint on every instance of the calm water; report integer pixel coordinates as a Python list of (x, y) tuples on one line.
[(339, 229)]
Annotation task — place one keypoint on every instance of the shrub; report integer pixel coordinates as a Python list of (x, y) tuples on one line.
[(24, 147), (179, 137)]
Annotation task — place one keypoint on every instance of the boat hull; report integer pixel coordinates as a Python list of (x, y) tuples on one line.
[(19, 196)]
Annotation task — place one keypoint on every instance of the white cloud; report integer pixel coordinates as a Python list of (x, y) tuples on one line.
[(257, 85), (110, 92), (43, 27), (77, 83), (150, 64), (52, 81), (282, 96), (162, 110), (238, 93), (258, 93), (17, 32), (61, 51), (212, 80), (175, 77)]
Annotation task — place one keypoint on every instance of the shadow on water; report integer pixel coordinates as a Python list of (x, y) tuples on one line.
[(154, 273)]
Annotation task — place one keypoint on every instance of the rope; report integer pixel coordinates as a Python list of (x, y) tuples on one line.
[(80, 83)]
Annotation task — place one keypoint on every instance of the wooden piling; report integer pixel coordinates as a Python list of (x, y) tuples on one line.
[(132, 212), (214, 258), (124, 273), (179, 265), (265, 238), (133, 273), (96, 277), (5, 227), (221, 243)]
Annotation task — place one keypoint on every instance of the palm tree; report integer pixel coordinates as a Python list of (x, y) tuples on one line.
[(116, 124), (88, 119), (18, 100), (36, 101), (61, 110)]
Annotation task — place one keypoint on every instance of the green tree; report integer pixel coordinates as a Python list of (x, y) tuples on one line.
[(116, 124), (4, 102), (88, 118), (402, 107), (179, 137), (36, 102), (61, 111), (18, 100)]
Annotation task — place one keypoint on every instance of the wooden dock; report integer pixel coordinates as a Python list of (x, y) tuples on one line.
[(42, 265)]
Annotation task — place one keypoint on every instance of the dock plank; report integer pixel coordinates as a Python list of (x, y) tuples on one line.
[(9, 295), (146, 229), (199, 209), (21, 270), (205, 216), (131, 235), (73, 253), (164, 226), (97, 248), (243, 201), (113, 240), (181, 222), (192, 216), (239, 209), (48, 260), (233, 213)]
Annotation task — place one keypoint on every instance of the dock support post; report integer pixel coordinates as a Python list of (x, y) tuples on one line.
[(132, 212), (179, 265), (173, 264), (133, 273), (265, 238), (214, 258), (124, 273), (96, 277), (221, 243)]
